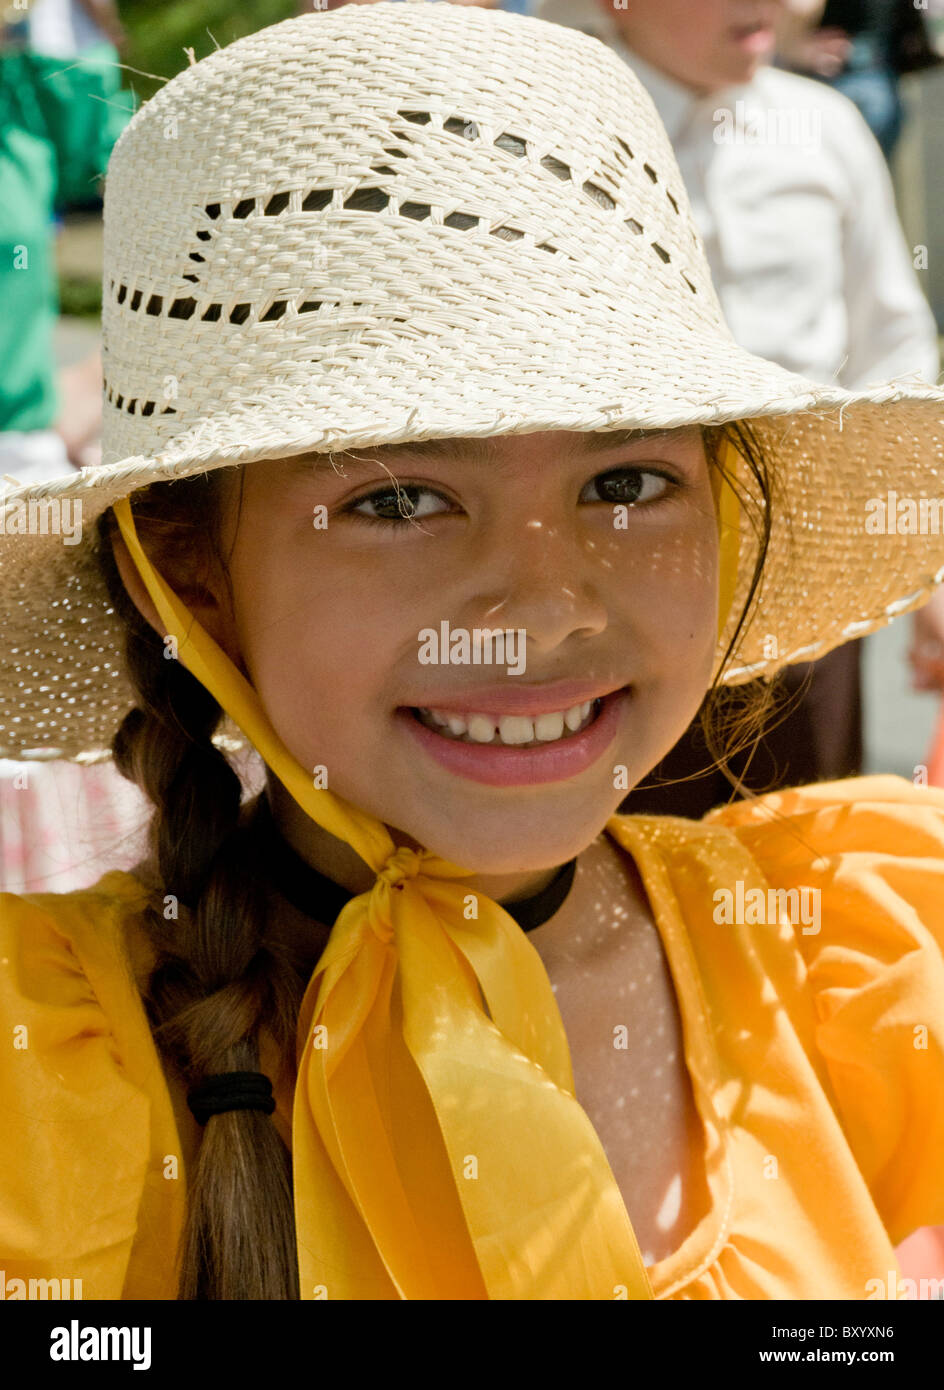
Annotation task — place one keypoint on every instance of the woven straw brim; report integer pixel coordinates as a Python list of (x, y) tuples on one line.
[(827, 577)]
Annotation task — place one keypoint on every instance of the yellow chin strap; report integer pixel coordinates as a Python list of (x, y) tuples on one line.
[(439, 1151)]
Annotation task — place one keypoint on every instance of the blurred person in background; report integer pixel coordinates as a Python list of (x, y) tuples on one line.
[(64, 29), (861, 48), (795, 205), (58, 122)]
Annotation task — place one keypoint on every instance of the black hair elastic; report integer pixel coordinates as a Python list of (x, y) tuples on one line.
[(231, 1090)]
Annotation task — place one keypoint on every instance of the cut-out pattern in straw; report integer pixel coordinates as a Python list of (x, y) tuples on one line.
[(393, 222), (377, 197)]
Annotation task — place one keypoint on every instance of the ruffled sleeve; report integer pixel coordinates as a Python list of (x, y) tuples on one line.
[(872, 848), (76, 1150)]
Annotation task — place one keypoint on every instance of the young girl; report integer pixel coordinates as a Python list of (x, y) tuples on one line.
[(413, 368)]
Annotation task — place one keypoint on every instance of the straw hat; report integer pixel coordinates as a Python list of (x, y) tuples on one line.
[(401, 221)]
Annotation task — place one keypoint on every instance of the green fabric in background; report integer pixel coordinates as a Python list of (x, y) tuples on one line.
[(59, 119)]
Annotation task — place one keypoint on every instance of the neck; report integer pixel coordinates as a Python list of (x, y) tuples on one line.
[(336, 859)]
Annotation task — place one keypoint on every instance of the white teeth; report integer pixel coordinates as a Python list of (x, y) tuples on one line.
[(516, 728), (548, 727), (511, 729), (574, 717), (481, 729)]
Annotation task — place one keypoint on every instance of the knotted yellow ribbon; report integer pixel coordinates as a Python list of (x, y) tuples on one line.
[(439, 1151)]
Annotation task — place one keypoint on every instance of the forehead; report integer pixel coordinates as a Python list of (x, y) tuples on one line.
[(494, 448)]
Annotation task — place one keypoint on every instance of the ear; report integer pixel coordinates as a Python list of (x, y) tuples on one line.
[(210, 607)]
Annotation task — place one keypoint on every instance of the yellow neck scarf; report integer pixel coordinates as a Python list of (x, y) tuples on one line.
[(439, 1150)]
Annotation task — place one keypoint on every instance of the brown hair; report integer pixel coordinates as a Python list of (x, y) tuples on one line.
[(220, 976), (734, 718)]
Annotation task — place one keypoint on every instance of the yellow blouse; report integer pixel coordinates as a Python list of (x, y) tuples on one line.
[(814, 1038)]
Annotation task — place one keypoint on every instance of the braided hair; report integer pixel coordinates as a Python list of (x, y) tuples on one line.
[(219, 977)]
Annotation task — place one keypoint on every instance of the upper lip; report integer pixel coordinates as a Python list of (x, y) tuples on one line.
[(524, 700)]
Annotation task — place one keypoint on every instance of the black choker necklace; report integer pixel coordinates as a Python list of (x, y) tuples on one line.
[(321, 898)]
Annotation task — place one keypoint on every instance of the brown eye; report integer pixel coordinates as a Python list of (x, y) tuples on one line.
[(393, 505), (629, 486)]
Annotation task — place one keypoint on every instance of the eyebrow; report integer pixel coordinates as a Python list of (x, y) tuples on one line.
[(480, 451)]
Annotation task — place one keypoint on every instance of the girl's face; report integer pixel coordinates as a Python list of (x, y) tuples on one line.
[(596, 560)]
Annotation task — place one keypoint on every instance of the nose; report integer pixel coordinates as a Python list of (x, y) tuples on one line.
[(540, 574)]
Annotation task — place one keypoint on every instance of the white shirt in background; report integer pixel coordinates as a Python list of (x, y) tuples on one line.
[(794, 202), (802, 235)]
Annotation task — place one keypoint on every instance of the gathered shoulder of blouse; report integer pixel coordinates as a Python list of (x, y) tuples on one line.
[(804, 931), (91, 1172)]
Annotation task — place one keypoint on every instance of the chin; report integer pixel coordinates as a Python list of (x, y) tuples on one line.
[(506, 852), (488, 865)]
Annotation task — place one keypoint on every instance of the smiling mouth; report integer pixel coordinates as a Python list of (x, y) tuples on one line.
[(511, 730)]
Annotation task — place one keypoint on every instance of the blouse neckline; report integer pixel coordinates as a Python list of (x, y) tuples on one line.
[(701, 1247)]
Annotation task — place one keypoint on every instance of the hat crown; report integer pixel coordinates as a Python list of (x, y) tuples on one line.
[(382, 180)]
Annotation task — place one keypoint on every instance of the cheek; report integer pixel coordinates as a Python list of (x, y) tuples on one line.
[(672, 595), (315, 645), (686, 44), (673, 632)]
